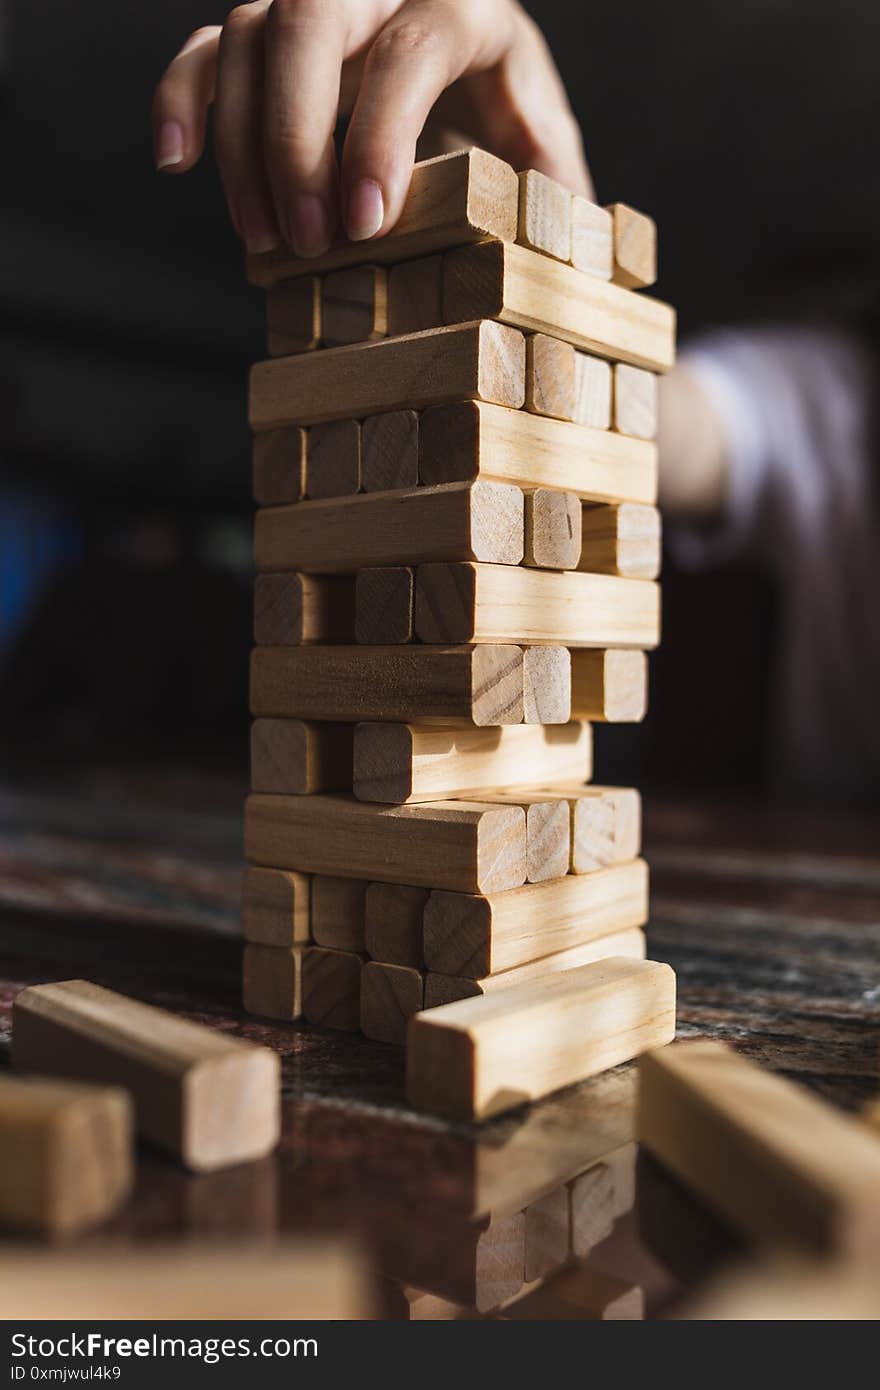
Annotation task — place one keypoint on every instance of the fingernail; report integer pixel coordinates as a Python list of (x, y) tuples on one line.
[(366, 210), (169, 145), (309, 226), (257, 227)]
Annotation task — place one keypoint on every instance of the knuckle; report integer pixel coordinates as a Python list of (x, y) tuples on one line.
[(411, 38), (239, 22)]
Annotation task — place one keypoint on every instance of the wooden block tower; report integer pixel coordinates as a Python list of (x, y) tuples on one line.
[(457, 548)]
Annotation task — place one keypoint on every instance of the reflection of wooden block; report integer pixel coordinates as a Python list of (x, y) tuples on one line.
[(593, 1208), (293, 316), (635, 401), (272, 981), (333, 459), (551, 383), (339, 912), (394, 915), (548, 832), (385, 604), (635, 247), (390, 995), (544, 215), (279, 460), (581, 1294), (592, 238), (415, 295), (296, 757), (479, 1057), (593, 381), (609, 686), (68, 1158), (390, 451), (355, 305), (331, 988), (292, 609), (622, 540), (546, 685), (275, 907), (475, 936), (552, 529), (209, 1098), (547, 1234)]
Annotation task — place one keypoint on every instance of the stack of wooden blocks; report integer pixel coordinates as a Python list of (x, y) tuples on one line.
[(457, 548)]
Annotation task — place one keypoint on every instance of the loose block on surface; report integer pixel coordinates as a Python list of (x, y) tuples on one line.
[(635, 401), (593, 391), (272, 981), (298, 757), (209, 1098), (551, 377), (385, 598), (611, 686), (331, 988), (339, 912), (275, 907), (546, 685), (635, 247), (623, 539), (390, 996), (390, 451), (279, 459), (415, 295), (333, 459), (293, 316), (394, 914), (354, 305), (292, 609), (544, 215), (592, 238), (552, 529)]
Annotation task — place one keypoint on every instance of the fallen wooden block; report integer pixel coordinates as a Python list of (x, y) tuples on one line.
[(517, 287), (390, 451), (490, 603), (635, 401), (551, 377), (68, 1159), (459, 443), (293, 316), (272, 981), (385, 599), (331, 988), (390, 996), (354, 305), (480, 685), (333, 459), (592, 238), (606, 825), (464, 845), (479, 1057), (297, 757), (609, 686), (293, 609), (552, 529), (546, 685), (473, 936), (339, 908), (623, 539), (454, 198), (393, 932), (548, 831), (635, 247), (275, 907), (581, 1294), (547, 1234), (279, 460), (415, 295), (462, 521), (544, 215), (209, 1098), (593, 391), (416, 762), (770, 1158), (475, 361)]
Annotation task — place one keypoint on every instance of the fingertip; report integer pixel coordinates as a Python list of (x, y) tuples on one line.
[(170, 146), (365, 210)]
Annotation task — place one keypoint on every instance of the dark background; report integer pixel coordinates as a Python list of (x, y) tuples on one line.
[(751, 132)]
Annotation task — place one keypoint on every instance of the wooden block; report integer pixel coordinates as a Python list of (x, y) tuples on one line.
[(635, 401), (407, 1304), (548, 830), (355, 305), (452, 199), (272, 981), (292, 609), (475, 361), (769, 1157), (622, 1162), (609, 686), (458, 443), (297, 757), (479, 1057), (581, 1294), (390, 996), (592, 1205), (333, 459), (385, 605), (546, 685), (552, 529), (593, 391), (417, 762), (544, 215), (275, 907), (547, 1234), (606, 826), (209, 1098), (339, 907), (499, 603), (331, 988), (516, 286), (279, 460), (623, 540), (635, 247), (445, 989), (592, 238), (499, 1263), (785, 1288), (394, 914), (68, 1160), (469, 846), (461, 521), (415, 295), (293, 316), (475, 936), (390, 451), (477, 685), (551, 377)]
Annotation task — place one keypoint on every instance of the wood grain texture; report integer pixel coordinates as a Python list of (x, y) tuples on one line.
[(461, 521), (390, 996), (393, 932), (635, 247), (390, 451), (210, 1099), (548, 827), (480, 685), (354, 305), (546, 685), (498, 603), (593, 384), (609, 686), (547, 1234), (592, 1208), (635, 401), (415, 295), (517, 286), (299, 757), (551, 377), (552, 529), (452, 199), (624, 540), (606, 826), (459, 443), (275, 907), (385, 597), (776, 1162), (592, 238), (544, 215), (581, 1294), (292, 609), (272, 981), (68, 1155), (333, 459), (279, 460), (464, 845), (470, 935), (293, 316), (479, 1057), (331, 988), (445, 989), (339, 910), (474, 361)]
